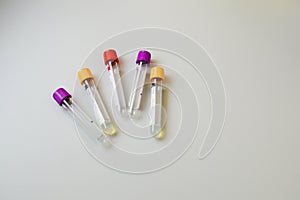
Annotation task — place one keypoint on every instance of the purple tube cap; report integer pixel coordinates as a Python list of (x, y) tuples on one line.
[(143, 56), (60, 95)]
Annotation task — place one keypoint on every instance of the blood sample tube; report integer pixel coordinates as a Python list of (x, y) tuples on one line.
[(86, 79), (111, 61), (142, 63), (64, 99), (156, 77)]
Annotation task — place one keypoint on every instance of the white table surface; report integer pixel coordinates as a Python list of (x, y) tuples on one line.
[(256, 46)]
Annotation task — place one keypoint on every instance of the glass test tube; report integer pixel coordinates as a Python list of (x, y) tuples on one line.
[(102, 118), (156, 77), (142, 62), (64, 99), (111, 61)]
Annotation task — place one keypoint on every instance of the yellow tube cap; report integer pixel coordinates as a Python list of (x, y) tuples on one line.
[(83, 74), (157, 72), (161, 135)]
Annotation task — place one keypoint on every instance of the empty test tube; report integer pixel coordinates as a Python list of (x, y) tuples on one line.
[(156, 77), (64, 99), (142, 63), (86, 79), (111, 61)]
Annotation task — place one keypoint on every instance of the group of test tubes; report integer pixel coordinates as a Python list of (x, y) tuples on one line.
[(101, 120)]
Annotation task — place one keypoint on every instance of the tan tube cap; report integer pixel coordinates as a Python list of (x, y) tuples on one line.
[(157, 72), (83, 74)]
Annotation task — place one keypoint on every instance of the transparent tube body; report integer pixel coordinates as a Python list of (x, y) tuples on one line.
[(91, 128), (115, 78), (156, 107), (137, 88), (100, 112)]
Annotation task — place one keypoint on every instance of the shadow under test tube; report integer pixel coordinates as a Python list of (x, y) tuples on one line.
[(142, 62), (111, 61), (102, 118), (157, 76), (64, 99)]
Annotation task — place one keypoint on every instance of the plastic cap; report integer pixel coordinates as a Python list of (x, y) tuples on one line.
[(60, 95), (110, 55), (157, 72), (143, 56), (83, 74)]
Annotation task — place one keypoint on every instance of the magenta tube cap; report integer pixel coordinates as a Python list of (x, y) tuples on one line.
[(143, 56), (60, 95)]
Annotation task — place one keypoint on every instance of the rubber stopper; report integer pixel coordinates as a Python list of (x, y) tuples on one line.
[(157, 72), (84, 74), (110, 55), (60, 95), (143, 56)]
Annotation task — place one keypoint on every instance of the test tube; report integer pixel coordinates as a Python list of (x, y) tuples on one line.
[(86, 79), (156, 77), (64, 99), (142, 62), (111, 61)]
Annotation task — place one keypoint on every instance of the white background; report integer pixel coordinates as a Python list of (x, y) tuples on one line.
[(256, 46)]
